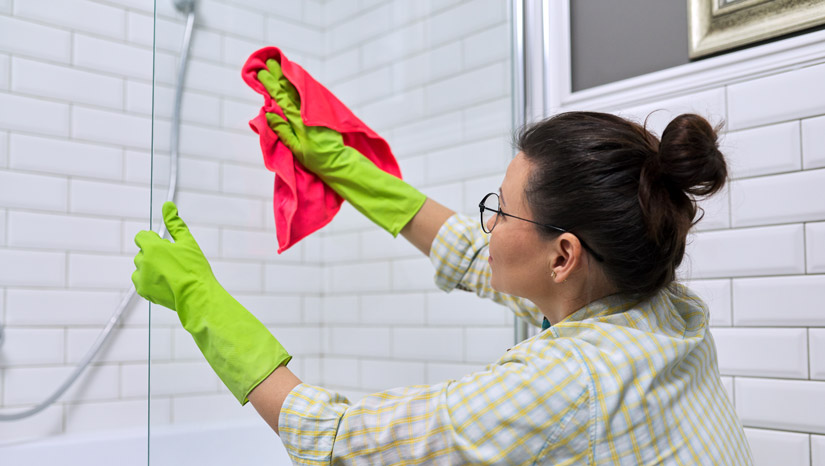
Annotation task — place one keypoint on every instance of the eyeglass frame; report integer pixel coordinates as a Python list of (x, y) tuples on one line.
[(498, 212)]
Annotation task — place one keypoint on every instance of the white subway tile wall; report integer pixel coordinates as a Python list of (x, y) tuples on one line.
[(793, 405), (813, 142), (717, 296), (779, 97), (357, 308), (765, 150), (763, 352), (75, 138), (2, 228), (772, 447), (773, 199), (657, 114), (816, 348), (815, 246), (817, 450), (4, 148)]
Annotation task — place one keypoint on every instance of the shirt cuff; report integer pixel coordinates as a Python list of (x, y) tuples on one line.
[(308, 423), (458, 242)]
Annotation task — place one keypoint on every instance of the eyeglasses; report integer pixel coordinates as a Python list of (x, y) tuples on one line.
[(490, 206)]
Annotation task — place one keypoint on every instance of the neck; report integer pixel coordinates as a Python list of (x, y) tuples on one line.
[(564, 299), (556, 310)]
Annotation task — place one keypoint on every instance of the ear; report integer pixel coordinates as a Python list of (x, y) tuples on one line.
[(567, 256)]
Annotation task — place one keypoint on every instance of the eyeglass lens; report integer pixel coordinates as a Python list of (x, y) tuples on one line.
[(490, 210)]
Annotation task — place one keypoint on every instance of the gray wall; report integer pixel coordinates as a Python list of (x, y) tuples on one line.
[(613, 40)]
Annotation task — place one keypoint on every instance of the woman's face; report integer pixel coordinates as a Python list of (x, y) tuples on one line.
[(519, 258)]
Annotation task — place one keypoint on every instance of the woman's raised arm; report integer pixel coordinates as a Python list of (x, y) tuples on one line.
[(421, 230)]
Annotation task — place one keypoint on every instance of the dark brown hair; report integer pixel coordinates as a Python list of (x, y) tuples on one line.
[(618, 188)]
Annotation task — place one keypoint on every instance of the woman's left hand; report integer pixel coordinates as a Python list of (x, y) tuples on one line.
[(178, 276), (167, 272)]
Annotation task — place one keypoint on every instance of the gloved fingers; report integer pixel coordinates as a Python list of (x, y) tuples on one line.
[(140, 289), (135, 280), (288, 88), (285, 132), (282, 91), (145, 237), (138, 259), (292, 113), (176, 226), (271, 84)]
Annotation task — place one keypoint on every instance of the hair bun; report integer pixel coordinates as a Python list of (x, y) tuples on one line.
[(688, 164), (689, 157)]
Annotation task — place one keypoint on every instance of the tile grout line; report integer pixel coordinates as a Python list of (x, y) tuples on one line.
[(808, 344), (801, 145), (805, 247)]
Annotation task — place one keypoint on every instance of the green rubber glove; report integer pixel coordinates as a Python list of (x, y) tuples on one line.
[(383, 198), (177, 276)]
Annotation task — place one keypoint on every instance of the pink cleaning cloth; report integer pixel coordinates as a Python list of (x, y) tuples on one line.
[(302, 202)]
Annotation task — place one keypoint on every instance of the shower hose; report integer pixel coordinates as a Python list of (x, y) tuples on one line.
[(188, 8)]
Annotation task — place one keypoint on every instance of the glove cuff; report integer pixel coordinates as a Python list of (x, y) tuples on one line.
[(388, 201), (240, 349)]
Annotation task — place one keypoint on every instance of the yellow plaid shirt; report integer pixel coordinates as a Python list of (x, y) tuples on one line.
[(619, 381)]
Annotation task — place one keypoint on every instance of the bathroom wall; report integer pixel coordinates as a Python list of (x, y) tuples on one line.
[(75, 139)]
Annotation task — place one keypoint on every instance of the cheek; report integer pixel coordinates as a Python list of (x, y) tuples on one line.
[(513, 260)]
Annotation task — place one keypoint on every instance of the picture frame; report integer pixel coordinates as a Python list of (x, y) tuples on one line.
[(718, 25)]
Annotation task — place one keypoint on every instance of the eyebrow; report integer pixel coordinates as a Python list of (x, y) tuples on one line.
[(501, 196)]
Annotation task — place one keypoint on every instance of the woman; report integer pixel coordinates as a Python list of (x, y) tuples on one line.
[(584, 239)]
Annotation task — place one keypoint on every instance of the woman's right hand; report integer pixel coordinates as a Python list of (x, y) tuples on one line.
[(315, 147), (382, 197)]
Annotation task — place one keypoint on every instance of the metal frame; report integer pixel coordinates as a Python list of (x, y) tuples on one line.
[(715, 26), (520, 327), (529, 84)]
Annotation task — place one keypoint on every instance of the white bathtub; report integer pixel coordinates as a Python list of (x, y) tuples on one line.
[(196, 445)]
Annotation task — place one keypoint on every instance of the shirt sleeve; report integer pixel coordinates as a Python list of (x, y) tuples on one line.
[(510, 413), (459, 254)]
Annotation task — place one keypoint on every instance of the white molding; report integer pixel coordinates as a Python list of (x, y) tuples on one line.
[(518, 62), (557, 44), (534, 72), (775, 57), (555, 52)]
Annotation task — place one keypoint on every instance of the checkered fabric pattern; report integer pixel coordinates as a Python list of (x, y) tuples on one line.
[(620, 381)]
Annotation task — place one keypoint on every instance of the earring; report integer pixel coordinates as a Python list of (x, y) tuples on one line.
[(553, 275)]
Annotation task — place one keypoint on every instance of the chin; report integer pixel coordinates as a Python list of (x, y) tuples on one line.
[(504, 289), (496, 286)]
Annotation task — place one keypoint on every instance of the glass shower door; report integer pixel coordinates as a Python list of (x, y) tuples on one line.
[(75, 139), (208, 161)]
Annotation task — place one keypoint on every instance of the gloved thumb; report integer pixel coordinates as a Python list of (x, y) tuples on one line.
[(176, 226)]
